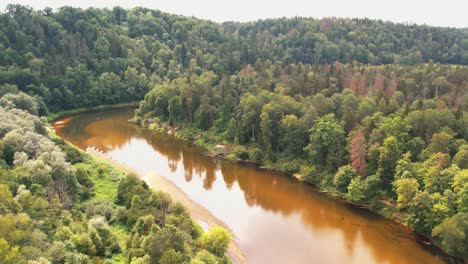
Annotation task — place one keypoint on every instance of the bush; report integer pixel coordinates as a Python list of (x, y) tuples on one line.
[(169, 237), (454, 232), (360, 191), (72, 154), (461, 158), (72, 258), (204, 257), (216, 241), (356, 191), (310, 175), (257, 156), (86, 183), (100, 207), (242, 154), (343, 177), (172, 257), (291, 167)]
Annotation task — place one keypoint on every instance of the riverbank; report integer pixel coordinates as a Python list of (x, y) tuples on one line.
[(212, 145), (157, 182), (56, 115), (196, 211), (252, 201)]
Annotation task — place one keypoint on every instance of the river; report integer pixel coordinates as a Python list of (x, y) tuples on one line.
[(274, 218)]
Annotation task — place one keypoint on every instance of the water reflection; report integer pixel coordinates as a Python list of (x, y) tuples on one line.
[(276, 219)]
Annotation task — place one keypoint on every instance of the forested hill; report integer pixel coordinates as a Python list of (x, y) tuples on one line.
[(73, 57)]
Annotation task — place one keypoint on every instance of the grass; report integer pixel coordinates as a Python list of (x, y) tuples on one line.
[(122, 235), (105, 177), (106, 180)]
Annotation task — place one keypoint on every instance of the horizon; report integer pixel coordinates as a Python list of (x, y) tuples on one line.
[(225, 11)]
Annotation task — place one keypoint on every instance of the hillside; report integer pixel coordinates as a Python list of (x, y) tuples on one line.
[(370, 111), (73, 58)]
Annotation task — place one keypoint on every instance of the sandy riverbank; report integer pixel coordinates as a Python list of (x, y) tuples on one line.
[(197, 211)]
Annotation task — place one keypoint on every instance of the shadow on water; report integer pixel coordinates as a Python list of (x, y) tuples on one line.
[(277, 219)]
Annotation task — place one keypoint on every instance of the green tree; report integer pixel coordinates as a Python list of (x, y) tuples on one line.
[(406, 190), (204, 257), (363, 191), (175, 109), (419, 213), (406, 169), (461, 158), (440, 142), (326, 140), (216, 241), (390, 153), (20, 101), (343, 177), (453, 232), (169, 237), (9, 254), (172, 257), (292, 135), (438, 180)]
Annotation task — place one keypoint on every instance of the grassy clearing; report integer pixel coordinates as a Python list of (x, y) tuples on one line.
[(121, 232), (105, 178)]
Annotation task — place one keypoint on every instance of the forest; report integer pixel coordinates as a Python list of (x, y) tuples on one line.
[(59, 205), (391, 136), (72, 58), (369, 110)]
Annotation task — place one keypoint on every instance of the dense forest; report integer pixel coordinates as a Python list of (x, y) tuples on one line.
[(73, 58), (373, 111), (58, 205), (378, 135)]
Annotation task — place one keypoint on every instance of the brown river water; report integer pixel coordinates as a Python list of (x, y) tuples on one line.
[(274, 218)]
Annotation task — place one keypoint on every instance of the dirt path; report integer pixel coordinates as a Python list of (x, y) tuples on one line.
[(197, 211)]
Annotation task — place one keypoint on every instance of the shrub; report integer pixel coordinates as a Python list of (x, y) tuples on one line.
[(343, 177), (242, 154), (216, 240), (204, 257), (100, 207), (310, 175), (363, 190), (257, 156), (172, 257), (291, 167), (461, 158), (454, 231)]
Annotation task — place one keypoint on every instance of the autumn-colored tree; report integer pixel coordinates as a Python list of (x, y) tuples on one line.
[(379, 82), (358, 152)]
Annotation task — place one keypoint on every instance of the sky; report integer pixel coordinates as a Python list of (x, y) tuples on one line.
[(447, 13)]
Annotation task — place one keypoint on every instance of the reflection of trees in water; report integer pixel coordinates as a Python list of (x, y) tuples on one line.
[(193, 161), (210, 177), (387, 241), (172, 164), (165, 146), (105, 130), (286, 196)]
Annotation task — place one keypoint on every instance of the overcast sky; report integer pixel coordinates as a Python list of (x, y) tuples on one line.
[(452, 13)]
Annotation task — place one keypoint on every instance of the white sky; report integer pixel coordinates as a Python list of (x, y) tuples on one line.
[(451, 13)]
